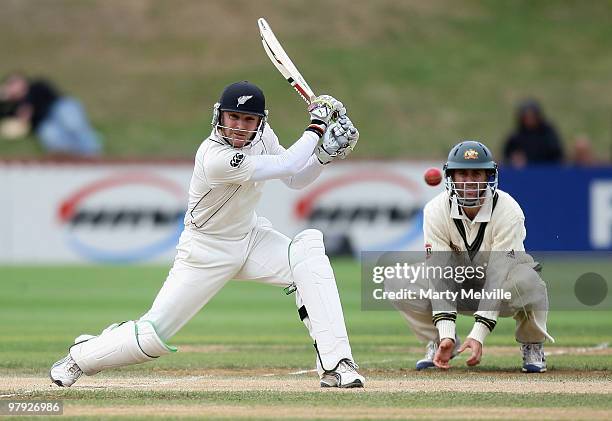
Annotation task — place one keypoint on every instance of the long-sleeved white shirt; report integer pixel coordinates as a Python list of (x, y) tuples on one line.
[(504, 232), (227, 183)]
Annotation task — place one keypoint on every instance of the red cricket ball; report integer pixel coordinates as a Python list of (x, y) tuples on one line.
[(433, 176)]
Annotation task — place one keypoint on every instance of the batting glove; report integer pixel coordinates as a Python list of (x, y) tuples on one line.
[(352, 136), (323, 110), (334, 142)]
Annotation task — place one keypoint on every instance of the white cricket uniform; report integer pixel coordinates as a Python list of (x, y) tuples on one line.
[(498, 227), (224, 238)]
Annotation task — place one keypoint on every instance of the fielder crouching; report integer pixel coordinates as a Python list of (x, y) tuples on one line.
[(474, 224), (224, 239)]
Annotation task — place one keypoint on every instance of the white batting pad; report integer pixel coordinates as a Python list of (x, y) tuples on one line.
[(314, 279), (118, 346)]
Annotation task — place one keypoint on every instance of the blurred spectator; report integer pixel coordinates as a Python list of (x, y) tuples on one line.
[(534, 141), (582, 152), (59, 122)]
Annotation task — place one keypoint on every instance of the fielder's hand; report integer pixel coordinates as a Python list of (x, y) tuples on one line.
[(476, 348), (323, 110), (444, 353)]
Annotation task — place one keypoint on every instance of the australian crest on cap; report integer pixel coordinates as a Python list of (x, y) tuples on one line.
[(470, 154)]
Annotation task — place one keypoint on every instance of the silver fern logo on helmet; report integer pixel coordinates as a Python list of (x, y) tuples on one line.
[(243, 99)]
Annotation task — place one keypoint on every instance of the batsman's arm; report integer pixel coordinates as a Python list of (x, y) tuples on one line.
[(287, 164), (291, 162), (230, 166), (309, 173)]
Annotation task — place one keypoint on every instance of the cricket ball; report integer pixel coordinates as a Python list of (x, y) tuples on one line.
[(433, 176)]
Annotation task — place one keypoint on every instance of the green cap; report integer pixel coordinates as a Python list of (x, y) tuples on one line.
[(470, 154)]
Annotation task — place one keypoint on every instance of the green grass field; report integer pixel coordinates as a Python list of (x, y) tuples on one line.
[(415, 75), (247, 356)]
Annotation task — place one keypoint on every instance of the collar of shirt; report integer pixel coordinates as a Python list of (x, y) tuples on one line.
[(483, 215), (214, 136)]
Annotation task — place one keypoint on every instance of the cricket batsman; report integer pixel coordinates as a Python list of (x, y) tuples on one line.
[(224, 239), (474, 223)]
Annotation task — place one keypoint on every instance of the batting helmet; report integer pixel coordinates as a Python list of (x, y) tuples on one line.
[(241, 97), (471, 154)]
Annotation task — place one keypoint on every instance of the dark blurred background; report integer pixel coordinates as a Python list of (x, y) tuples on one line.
[(416, 76)]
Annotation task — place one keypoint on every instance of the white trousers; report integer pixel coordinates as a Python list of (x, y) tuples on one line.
[(204, 264)]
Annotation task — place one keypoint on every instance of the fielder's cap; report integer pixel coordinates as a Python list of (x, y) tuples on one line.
[(470, 154)]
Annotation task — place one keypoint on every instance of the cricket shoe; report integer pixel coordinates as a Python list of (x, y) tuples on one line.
[(534, 360), (65, 372), (344, 376), (430, 352)]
